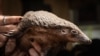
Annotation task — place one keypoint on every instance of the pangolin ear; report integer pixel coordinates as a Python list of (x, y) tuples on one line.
[(74, 32)]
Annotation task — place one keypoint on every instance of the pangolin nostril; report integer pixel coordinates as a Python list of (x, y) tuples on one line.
[(89, 41)]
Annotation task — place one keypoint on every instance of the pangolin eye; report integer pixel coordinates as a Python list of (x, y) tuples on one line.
[(74, 32), (64, 31)]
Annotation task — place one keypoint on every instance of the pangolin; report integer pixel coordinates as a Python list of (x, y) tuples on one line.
[(46, 33)]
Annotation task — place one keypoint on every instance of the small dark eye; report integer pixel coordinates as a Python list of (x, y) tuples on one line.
[(64, 31), (31, 39), (74, 32)]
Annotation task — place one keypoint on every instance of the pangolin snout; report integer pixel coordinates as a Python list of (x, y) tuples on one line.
[(88, 41), (84, 38)]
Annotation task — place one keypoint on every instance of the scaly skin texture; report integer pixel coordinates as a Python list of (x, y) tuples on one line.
[(44, 34)]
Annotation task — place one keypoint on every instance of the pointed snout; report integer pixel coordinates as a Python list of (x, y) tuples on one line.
[(87, 41), (84, 39)]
